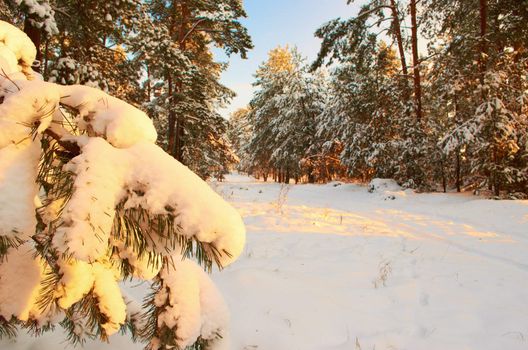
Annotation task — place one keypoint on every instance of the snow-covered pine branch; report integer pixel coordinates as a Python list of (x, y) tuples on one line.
[(73, 224)]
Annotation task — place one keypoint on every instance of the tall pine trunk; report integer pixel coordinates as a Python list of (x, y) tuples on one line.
[(458, 170), (398, 35), (416, 63), (180, 120), (483, 46), (172, 118), (493, 182), (176, 122)]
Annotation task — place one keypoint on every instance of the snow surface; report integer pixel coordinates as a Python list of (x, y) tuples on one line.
[(335, 267), (100, 114)]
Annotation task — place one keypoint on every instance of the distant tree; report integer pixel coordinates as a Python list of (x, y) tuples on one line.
[(239, 134), (371, 110), (283, 118)]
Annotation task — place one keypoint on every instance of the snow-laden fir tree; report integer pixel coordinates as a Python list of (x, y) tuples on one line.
[(283, 116), (88, 200), (90, 47), (239, 134), (81, 42), (174, 45), (370, 112), (479, 78)]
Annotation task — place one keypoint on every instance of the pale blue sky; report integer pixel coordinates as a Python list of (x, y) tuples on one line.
[(279, 22)]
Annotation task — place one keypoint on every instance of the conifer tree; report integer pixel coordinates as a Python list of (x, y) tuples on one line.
[(481, 57), (191, 26), (114, 46), (283, 118), (239, 134), (371, 111), (90, 48)]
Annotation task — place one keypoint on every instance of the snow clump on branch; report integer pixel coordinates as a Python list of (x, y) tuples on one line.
[(87, 199)]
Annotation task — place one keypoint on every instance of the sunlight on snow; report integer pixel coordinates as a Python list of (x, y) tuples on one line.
[(383, 222)]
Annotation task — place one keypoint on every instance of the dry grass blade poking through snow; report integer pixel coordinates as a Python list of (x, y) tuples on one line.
[(282, 197), (87, 200)]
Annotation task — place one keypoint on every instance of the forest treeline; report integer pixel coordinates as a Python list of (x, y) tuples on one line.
[(153, 54), (432, 95)]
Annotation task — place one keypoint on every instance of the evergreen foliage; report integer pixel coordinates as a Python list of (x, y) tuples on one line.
[(456, 118), (154, 54), (89, 201), (283, 118)]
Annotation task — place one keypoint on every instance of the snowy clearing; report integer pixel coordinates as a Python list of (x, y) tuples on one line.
[(335, 267)]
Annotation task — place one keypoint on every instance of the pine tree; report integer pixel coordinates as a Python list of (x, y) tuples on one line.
[(81, 42), (371, 110), (87, 200), (185, 79), (283, 119), (239, 134), (90, 48), (270, 80), (113, 46), (482, 57)]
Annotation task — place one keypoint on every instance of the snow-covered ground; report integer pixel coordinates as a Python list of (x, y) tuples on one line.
[(334, 267)]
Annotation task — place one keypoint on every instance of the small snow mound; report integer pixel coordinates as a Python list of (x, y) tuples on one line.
[(383, 185), (387, 188)]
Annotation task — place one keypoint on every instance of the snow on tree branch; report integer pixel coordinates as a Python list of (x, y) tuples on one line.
[(75, 224)]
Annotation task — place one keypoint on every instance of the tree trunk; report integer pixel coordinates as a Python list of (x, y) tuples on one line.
[(180, 120), (458, 179), (496, 189), (176, 122), (180, 131), (398, 34), (311, 178), (444, 177), (149, 85), (483, 46), (457, 171), (416, 63), (172, 120), (482, 59), (46, 55)]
